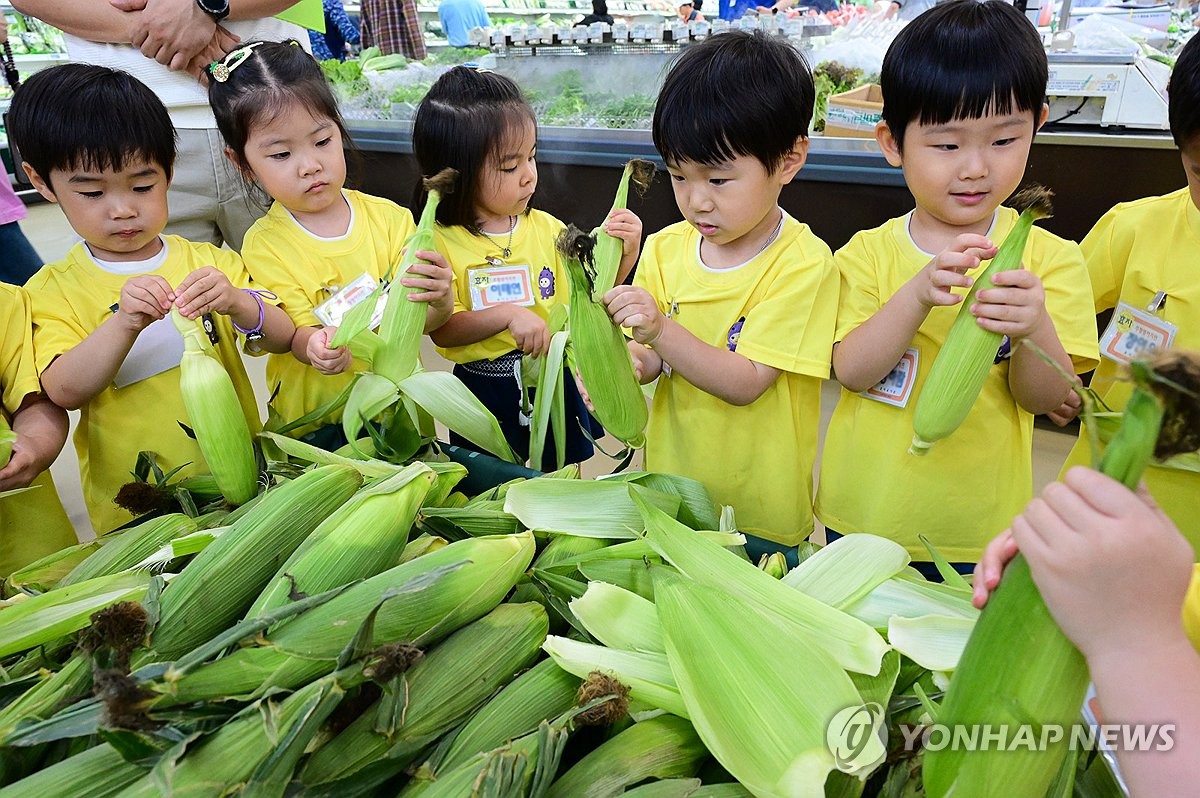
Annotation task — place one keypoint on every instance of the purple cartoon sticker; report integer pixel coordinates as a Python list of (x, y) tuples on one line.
[(546, 282), (735, 332)]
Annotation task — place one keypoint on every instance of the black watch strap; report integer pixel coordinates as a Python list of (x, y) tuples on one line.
[(217, 9)]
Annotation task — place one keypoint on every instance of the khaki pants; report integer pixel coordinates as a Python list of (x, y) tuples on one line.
[(208, 199)]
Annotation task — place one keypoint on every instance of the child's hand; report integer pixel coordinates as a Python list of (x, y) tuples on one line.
[(949, 270), (1015, 306), (529, 331), (433, 274), (634, 308), (1069, 409), (23, 467), (996, 555), (324, 358), (625, 225), (144, 300), (208, 290), (583, 393), (1111, 566)]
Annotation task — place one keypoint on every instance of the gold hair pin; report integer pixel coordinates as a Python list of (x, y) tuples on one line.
[(221, 70)]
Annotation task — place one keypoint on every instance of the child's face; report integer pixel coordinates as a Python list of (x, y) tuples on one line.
[(118, 213), (733, 199), (960, 172), (1190, 153), (508, 179), (297, 158)]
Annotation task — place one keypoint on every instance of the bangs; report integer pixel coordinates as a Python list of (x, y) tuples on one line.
[(972, 91)]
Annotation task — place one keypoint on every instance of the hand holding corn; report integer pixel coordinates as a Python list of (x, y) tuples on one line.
[(325, 358), (634, 308), (208, 290), (948, 269), (38, 434), (144, 300), (624, 224), (1015, 307), (432, 276)]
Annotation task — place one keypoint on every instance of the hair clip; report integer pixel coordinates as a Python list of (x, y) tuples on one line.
[(221, 70)]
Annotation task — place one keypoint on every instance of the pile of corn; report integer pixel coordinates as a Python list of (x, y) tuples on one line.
[(362, 628)]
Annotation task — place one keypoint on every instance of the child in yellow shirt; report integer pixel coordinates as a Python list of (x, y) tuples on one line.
[(321, 248), (963, 91), (732, 310), (99, 144), (1120, 604), (508, 274), (1142, 260), (32, 524)]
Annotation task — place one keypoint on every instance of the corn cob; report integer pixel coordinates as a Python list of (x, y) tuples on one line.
[(647, 674), (130, 547), (1016, 650), (609, 249), (360, 539), (72, 680), (47, 572), (966, 357), (404, 320), (442, 689), (483, 571), (215, 415), (661, 747), (601, 352), (219, 584), (98, 772)]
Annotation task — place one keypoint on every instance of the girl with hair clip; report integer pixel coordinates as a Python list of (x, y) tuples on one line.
[(321, 247), (507, 273)]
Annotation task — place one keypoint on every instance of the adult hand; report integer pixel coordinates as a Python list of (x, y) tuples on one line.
[(172, 32), (222, 42)]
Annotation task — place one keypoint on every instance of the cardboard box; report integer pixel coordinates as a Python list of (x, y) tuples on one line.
[(854, 113)]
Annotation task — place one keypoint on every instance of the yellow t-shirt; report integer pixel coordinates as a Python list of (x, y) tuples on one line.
[(71, 298), (971, 484), (304, 271), (32, 524), (532, 276), (777, 309), (1135, 250)]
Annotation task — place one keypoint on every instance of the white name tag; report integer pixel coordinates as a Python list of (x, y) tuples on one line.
[(1133, 333), (500, 285), (896, 388), (333, 310), (158, 348)]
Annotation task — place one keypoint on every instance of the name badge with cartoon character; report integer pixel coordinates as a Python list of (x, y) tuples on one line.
[(333, 310), (1132, 333), (896, 388), (501, 285)]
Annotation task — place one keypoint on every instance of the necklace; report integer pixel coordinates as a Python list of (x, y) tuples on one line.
[(512, 226)]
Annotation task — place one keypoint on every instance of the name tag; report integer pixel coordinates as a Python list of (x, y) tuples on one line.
[(333, 310), (1133, 333), (896, 388), (158, 348), (500, 285)]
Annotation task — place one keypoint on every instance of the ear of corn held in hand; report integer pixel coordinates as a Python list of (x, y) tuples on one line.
[(966, 357)]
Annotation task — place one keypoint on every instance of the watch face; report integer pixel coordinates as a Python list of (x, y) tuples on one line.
[(215, 6)]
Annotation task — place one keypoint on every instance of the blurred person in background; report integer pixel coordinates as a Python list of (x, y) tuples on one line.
[(340, 30), (20, 259), (459, 17), (393, 27), (689, 11), (599, 14)]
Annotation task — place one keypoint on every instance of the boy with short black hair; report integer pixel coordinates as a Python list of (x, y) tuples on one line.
[(1141, 256), (733, 309), (100, 144), (963, 92)]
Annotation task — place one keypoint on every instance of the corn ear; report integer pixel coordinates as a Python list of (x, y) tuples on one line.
[(966, 357), (215, 415), (609, 249), (662, 747), (425, 544), (98, 772), (363, 537), (126, 549), (47, 572), (601, 352), (60, 688), (219, 584), (647, 674), (587, 508)]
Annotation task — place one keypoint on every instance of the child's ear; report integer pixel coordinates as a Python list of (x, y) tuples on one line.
[(794, 160), (888, 144), (1041, 119), (41, 185), (243, 170)]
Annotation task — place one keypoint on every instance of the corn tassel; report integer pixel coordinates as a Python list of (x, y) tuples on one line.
[(965, 359), (126, 549), (219, 584), (601, 352), (663, 747), (437, 693), (1016, 650), (363, 537), (215, 415)]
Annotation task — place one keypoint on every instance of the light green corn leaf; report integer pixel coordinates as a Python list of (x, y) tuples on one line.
[(910, 598), (357, 319), (314, 454), (935, 642), (180, 547), (550, 381), (647, 675), (847, 569), (443, 396), (951, 577), (619, 618), (696, 506), (591, 508), (632, 575), (370, 396), (45, 573)]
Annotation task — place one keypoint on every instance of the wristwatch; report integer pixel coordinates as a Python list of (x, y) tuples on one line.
[(217, 9)]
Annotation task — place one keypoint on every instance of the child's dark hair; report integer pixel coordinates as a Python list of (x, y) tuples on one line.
[(735, 94), (261, 80), (464, 119), (963, 60), (79, 116), (1183, 95)]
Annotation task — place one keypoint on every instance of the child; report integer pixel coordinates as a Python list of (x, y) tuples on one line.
[(479, 124), (735, 306), (100, 144), (1137, 250), (32, 524), (963, 91), (1120, 605), (320, 248)]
